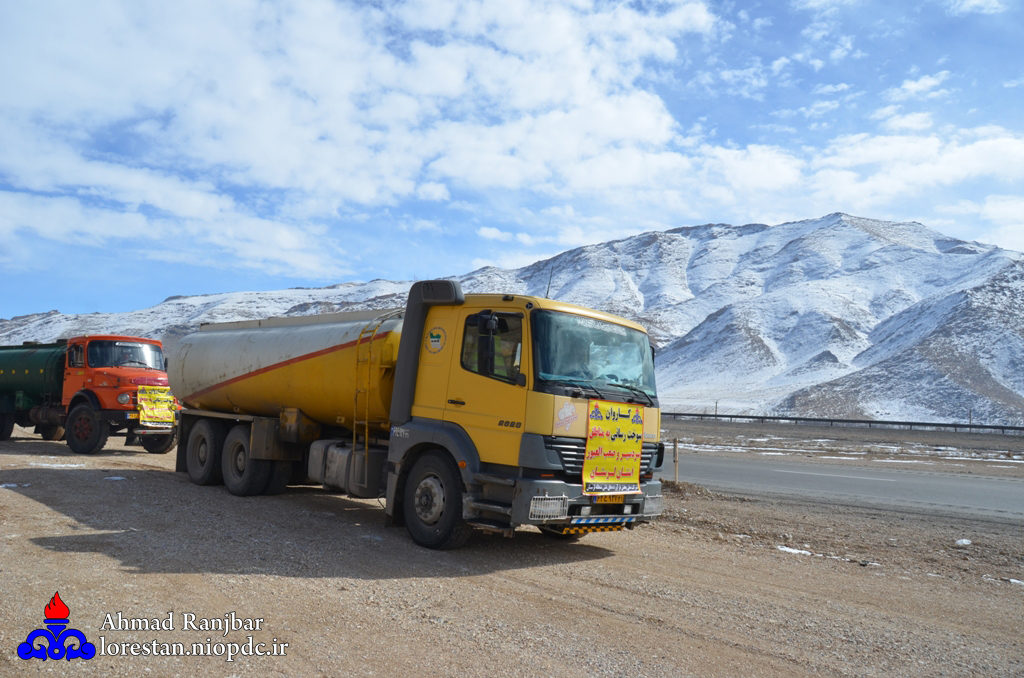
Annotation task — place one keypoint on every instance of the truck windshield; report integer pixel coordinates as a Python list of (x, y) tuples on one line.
[(579, 351), (125, 354)]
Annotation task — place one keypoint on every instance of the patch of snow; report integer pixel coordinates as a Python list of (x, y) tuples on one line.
[(801, 552), (41, 465), (115, 478), (906, 461)]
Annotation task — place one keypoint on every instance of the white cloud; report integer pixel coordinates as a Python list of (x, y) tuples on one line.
[(843, 47), (491, 233), (865, 171), (831, 89), (779, 64), (960, 7), (923, 87), (753, 169), (282, 116), (820, 5)]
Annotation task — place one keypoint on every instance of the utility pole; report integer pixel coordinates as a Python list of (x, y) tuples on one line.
[(675, 455)]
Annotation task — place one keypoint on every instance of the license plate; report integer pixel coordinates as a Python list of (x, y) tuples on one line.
[(133, 415), (610, 499)]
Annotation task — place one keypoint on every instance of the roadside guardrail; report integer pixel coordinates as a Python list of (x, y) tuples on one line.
[(860, 423)]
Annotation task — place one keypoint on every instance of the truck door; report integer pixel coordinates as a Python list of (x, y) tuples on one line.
[(74, 373), (487, 384)]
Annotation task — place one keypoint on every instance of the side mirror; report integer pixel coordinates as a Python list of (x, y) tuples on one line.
[(521, 379)]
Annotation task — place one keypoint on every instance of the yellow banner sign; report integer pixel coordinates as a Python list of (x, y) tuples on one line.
[(156, 405), (615, 433)]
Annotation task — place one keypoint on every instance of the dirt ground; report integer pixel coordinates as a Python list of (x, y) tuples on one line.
[(705, 591)]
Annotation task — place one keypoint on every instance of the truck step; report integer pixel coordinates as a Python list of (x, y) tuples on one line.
[(504, 529), (489, 479), (490, 506)]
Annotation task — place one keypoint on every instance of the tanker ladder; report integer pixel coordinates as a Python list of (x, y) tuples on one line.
[(364, 385)]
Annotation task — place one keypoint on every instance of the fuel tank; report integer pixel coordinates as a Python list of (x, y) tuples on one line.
[(338, 368)]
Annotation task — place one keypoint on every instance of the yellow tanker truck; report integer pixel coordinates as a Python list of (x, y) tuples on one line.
[(465, 411)]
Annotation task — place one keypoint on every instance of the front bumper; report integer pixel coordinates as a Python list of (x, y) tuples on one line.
[(131, 418), (557, 504)]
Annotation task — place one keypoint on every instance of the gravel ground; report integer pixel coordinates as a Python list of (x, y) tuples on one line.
[(706, 591)]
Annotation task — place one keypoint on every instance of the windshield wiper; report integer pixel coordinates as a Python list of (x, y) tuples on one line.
[(583, 384), (136, 362), (635, 390)]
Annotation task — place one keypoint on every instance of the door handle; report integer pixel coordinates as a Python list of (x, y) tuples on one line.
[(456, 402)]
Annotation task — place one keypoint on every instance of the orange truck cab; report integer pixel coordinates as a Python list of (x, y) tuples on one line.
[(86, 388)]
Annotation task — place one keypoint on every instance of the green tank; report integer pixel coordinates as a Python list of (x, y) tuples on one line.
[(31, 375)]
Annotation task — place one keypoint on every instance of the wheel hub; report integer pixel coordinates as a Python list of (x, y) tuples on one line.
[(240, 459), (429, 500), (83, 428)]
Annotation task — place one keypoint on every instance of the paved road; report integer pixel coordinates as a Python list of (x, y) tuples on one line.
[(947, 493)]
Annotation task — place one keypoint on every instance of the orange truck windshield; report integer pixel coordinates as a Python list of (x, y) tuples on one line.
[(125, 354)]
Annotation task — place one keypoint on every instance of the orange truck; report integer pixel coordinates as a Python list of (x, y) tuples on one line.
[(86, 388)]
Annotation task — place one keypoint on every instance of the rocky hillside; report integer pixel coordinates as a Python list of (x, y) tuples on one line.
[(839, 316)]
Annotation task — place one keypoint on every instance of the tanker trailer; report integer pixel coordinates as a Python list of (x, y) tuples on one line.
[(86, 388), (462, 411)]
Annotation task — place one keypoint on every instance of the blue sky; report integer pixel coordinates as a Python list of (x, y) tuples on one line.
[(149, 149)]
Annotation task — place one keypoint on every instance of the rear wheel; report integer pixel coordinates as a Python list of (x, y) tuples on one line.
[(50, 431), (243, 475), (86, 432), (433, 503), (202, 453), (159, 444), (6, 425), (280, 475)]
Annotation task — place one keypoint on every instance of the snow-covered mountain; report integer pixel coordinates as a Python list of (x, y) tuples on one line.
[(839, 316)]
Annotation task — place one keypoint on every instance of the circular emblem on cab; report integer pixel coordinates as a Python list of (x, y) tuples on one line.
[(435, 339)]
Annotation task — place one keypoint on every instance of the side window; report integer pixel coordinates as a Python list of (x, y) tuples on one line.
[(492, 345), (76, 356)]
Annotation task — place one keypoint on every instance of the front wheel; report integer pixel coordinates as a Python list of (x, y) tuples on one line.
[(433, 503), (85, 432), (159, 444)]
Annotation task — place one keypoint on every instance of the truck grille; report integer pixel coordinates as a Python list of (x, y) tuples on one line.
[(572, 450)]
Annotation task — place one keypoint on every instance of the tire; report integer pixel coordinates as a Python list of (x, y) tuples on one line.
[(280, 475), (243, 475), (50, 432), (159, 444), (85, 432), (203, 452), (558, 536), (433, 503), (6, 426)]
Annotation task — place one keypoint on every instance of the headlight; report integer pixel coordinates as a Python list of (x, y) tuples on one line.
[(124, 398)]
